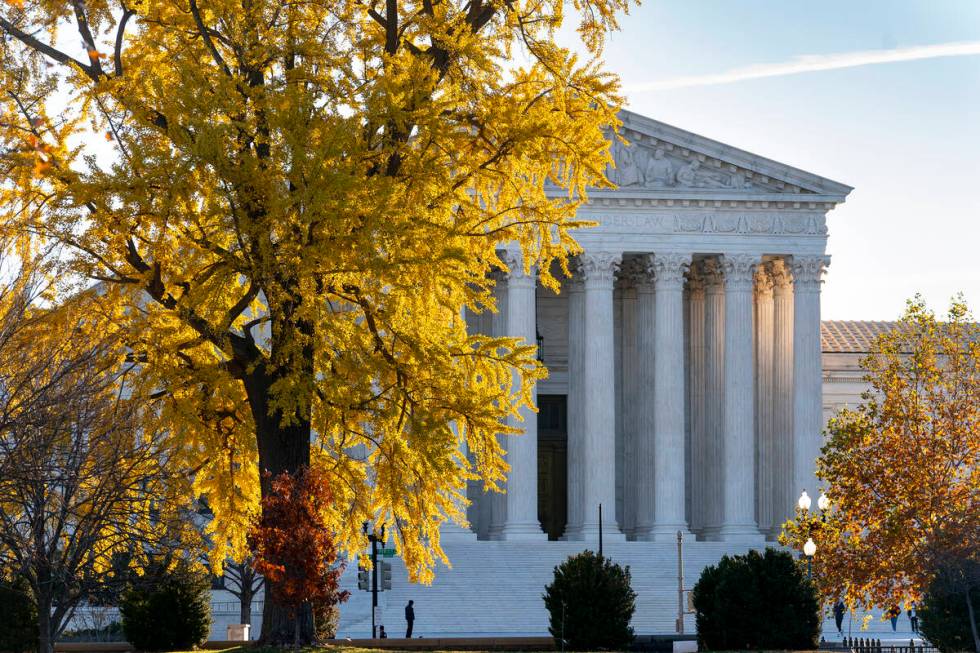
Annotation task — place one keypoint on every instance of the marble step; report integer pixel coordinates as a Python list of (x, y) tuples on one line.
[(495, 588)]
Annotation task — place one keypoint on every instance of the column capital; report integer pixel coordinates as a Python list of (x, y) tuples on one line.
[(695, 280), (599, 268), (808, 272), (763, 281), (739, 270), (781, 277), (668, 269), (633, 274), (515, 273), (714, 277)]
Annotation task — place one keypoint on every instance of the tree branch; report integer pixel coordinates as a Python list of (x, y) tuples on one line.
[(85, 32), (120, 30), (44, 48), (206, 36)]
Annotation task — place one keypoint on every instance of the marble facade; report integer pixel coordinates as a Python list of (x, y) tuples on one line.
[(684, 352)]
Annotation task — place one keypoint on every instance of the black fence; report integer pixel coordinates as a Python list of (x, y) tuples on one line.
[(870, 645)]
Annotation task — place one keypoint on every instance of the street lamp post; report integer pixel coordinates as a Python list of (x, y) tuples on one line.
[(374, 539), (810, 547), (809, 550)]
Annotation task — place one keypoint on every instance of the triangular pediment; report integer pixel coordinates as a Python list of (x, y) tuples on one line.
[(668, 161)]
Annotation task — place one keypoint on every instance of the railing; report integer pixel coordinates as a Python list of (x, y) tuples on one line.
[(871, 645), (92, 623), (234, 607), (102, 624)]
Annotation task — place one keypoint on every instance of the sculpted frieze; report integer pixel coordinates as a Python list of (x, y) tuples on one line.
[(640, 166), (714, 223)]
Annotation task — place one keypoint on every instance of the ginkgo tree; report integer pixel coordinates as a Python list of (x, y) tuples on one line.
[(288, 205)]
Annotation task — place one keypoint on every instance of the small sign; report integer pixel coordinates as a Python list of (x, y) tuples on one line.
[(387, 553), (377, 614)]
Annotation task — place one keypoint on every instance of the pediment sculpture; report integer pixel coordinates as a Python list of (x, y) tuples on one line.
[(642, 167)]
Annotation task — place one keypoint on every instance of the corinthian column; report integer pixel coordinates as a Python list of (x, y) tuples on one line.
[(668, 392), (522, 453), (576, 400), (765, 436), (739, 460), (495, 503), (697, 385), (629, 393), (807, 372), (599, 394), (782, 364), (645, 449), (714, 373)]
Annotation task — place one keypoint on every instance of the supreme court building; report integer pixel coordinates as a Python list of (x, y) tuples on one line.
[(684, 388)]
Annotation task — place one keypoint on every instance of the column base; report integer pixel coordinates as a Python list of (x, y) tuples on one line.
[(664, 533), (709, 534), (590, 533), (453, 532), (522, 532), (741, 533)]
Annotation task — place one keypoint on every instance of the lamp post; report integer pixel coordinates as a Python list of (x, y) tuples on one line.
[(374, 539), (804, 501), (810, 547), (809, 550), (824, 504)]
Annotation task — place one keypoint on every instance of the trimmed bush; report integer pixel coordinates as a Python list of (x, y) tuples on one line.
[(944, 618), (591, 603), (170, 611), (756, 601), (18, 617)]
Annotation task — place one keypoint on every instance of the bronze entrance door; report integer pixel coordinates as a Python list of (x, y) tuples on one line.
[(552, 464)]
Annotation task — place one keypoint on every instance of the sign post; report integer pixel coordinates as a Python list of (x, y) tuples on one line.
[(374, 540)]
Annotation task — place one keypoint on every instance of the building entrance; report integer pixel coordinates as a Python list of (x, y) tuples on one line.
[(553, 464)]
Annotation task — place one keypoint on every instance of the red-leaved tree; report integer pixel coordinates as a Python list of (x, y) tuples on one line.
[(294, 547)]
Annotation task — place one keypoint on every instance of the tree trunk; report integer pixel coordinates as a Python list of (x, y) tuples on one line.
[(245, 602), (973, 620), (281, 449), (45, 642)]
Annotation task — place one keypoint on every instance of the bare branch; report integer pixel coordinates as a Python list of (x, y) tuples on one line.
[(44, 48)]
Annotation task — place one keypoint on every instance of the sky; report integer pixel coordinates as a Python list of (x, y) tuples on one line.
[(882, 95)]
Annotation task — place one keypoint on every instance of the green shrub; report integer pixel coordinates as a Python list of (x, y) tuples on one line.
[(18, 617), (591, 603), (167, 611), (756, 601), (944, 618)]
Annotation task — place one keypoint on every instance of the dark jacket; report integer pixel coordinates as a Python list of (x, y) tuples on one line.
[(409, 613)]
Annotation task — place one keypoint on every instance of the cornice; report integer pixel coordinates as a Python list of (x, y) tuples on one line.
[(689, 198)]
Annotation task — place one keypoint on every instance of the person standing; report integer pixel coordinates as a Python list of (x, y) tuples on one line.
[(839, 610), (893, 615), (409, 619), (914, 618)]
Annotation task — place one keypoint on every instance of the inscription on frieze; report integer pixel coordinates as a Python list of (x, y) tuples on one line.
[(708, 223)]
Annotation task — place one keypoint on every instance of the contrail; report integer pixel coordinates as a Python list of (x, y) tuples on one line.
[(813, 62)]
